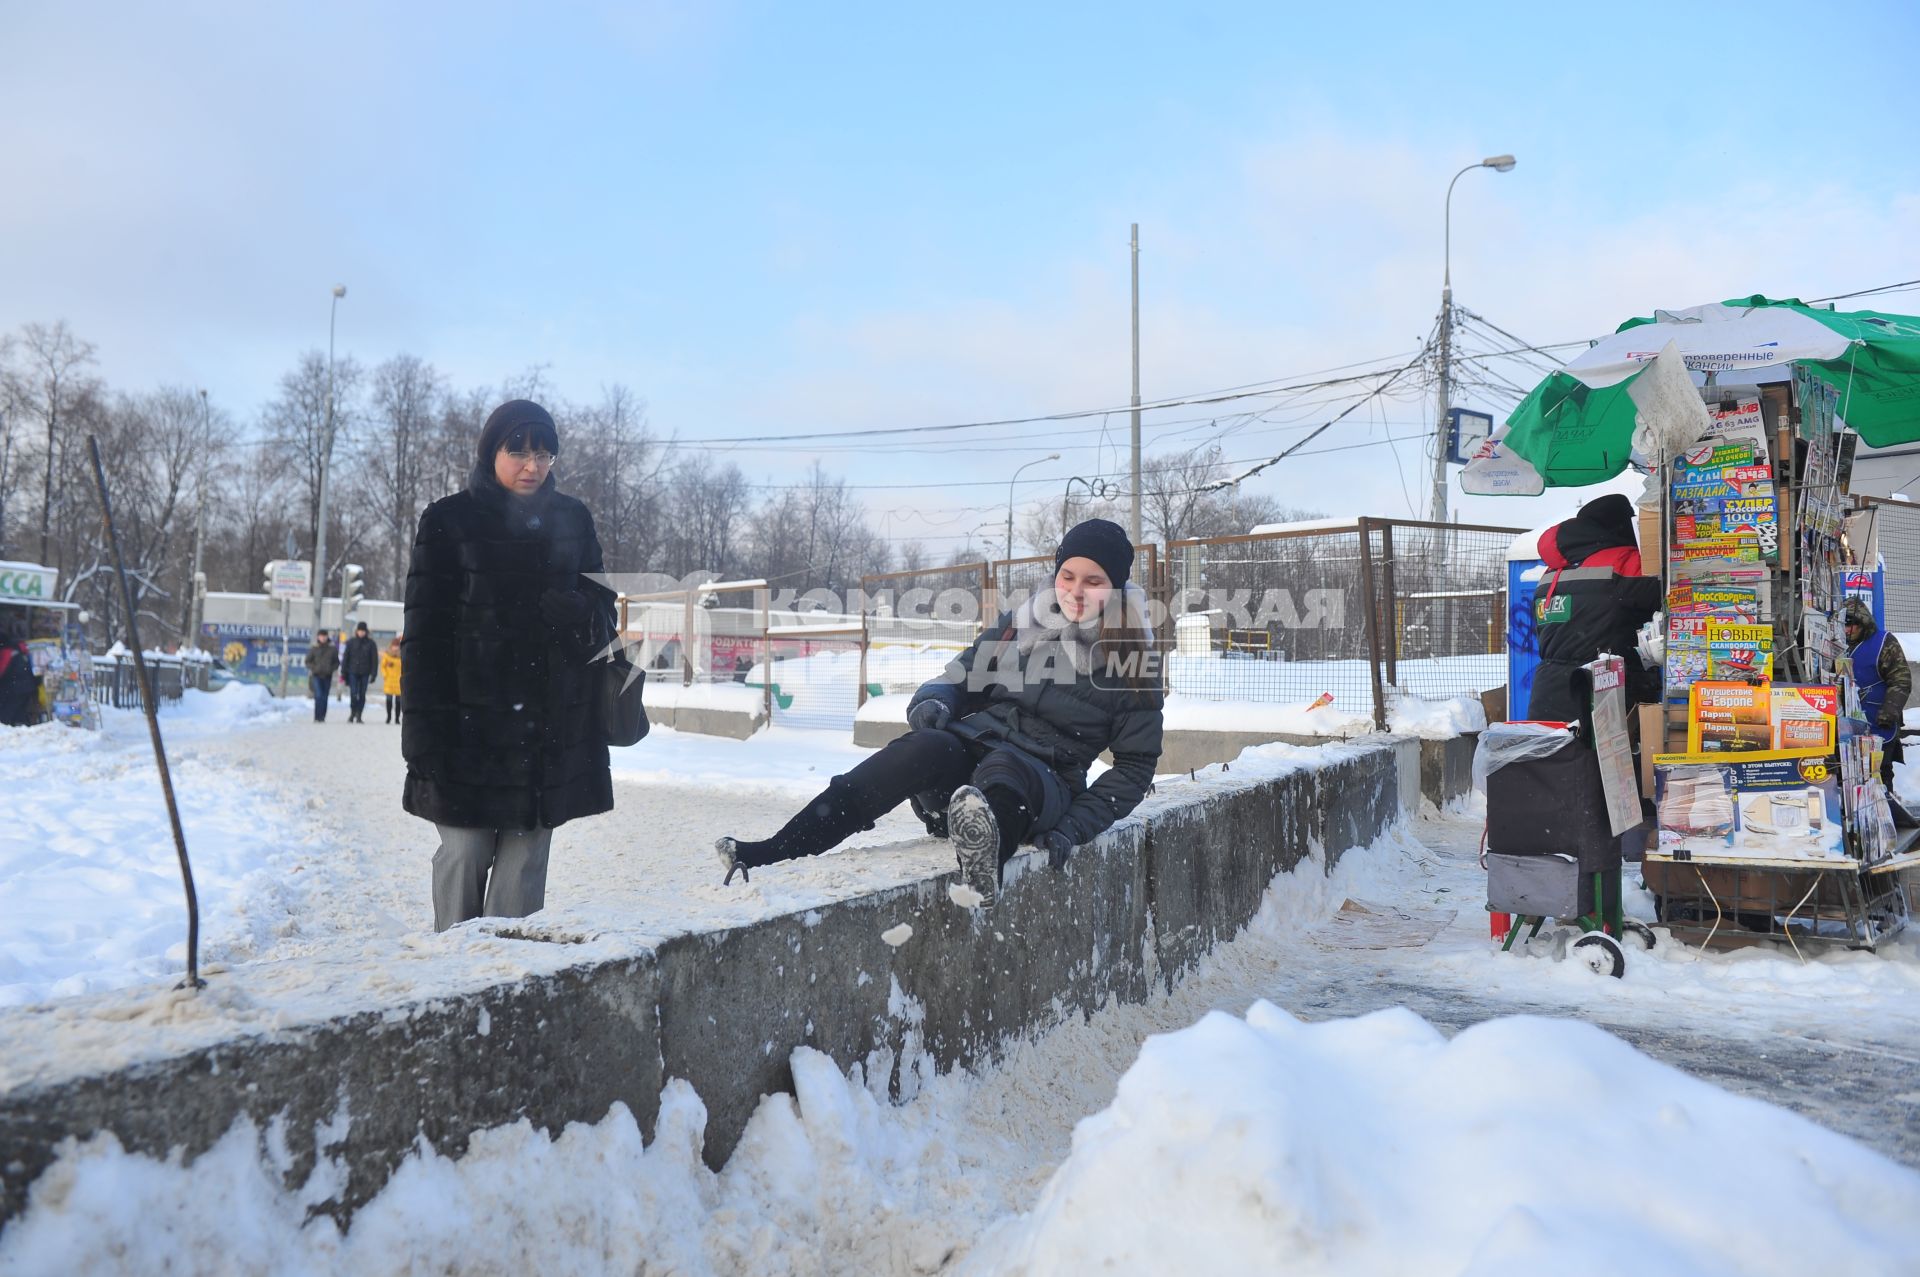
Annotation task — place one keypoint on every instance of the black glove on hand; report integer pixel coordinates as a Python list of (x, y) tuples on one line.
[(565, 609), (1887, 718), (929, 716), (1058, 846)]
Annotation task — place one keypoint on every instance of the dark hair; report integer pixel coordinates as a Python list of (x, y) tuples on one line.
[(516, 425), (533, 435), (1125, 655), (319, 634)]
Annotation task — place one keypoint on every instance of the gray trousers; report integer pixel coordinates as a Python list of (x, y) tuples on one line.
[(491, 873)]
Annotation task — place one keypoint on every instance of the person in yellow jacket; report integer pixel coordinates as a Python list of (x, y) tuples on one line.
[(390, 678)]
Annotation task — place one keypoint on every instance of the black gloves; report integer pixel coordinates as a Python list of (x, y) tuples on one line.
[(1057, 845), (929, 716), (565, 609), (1887, 718)]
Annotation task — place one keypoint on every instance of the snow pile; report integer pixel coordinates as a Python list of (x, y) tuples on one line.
[(1194, 713), (785, 761), (1436, 720), (1406, 715), (235, 705), (88, 868), (1375, 1145), (1363, 1146), (890, 708), (668, 692)]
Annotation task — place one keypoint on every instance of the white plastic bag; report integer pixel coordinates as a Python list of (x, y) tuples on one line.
[(1504, 743)]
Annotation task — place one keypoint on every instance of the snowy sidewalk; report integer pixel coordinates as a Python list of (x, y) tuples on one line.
[(314, 896), (1259, 1136)]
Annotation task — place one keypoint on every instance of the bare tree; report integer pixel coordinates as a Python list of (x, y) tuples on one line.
[(708, 505), (404, 404), (46, 379), (296, 423), (613, 462)]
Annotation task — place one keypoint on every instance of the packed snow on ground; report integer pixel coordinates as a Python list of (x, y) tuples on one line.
[(976, 1169), (1240, 1138), (88, 869)]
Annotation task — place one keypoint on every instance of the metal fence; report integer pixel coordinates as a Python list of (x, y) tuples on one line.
[(1372, 614), (116, 680), (1375, 614), (1896, 525)]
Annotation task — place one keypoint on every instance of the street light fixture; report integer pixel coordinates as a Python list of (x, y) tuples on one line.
[(1499, 164), (326, 457), (1051, 456), (1097, 490)]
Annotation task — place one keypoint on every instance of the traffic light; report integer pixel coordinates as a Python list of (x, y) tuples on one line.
[(266, 582), (352, 589)]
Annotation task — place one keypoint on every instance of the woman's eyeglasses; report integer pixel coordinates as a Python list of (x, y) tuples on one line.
[(521, 456)]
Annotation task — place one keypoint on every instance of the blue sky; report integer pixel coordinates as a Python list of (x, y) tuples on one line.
[(768, 219)]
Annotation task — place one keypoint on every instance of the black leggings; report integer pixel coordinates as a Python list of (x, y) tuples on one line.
[(921, 762)]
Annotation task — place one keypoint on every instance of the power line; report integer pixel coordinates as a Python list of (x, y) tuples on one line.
[(1901, 287), (1075, 415), (1309, 452), (1273, 461)]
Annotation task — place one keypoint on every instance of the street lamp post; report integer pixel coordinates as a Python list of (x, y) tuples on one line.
[(326, 457), (196, 594), (1008, 571), (1499, 164)]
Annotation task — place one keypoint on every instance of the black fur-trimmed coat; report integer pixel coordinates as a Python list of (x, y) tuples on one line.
[(499, 729)]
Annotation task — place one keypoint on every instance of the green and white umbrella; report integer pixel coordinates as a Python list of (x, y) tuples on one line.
[(1577, 427)]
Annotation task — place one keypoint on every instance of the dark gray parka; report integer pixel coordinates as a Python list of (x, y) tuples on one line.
[(1064, 718)]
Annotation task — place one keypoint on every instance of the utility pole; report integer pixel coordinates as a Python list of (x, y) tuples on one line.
[(1134, 530), (1439, 508), (1499, 164), (326, 456)]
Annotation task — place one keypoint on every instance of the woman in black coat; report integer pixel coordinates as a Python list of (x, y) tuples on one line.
[(499, 733), (998, 746)]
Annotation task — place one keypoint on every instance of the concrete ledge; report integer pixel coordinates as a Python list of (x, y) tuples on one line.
[(726, 1009), (1446, 766), (717, 722)]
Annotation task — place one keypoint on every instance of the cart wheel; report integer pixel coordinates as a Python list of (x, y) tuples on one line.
[(1639, 930), (1602, 954)]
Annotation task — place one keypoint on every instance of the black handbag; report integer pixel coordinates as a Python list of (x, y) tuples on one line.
[(623, 716)]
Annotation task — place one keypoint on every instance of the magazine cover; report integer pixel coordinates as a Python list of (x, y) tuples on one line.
[(1777, 805)]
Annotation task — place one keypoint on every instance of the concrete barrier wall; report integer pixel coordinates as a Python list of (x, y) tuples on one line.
[(725, 1009), (1446, 766)]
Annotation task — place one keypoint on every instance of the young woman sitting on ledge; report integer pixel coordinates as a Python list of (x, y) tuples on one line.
[(998, 746)]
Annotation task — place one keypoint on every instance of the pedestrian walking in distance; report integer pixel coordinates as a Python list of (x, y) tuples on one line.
[(322, 660), (390, 677), (358, 659), (998, 746), (500, 735)]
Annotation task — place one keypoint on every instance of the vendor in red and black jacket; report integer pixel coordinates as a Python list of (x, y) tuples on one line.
[(1592, 600)]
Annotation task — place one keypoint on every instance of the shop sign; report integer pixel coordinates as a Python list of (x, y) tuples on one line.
[(27, 582)]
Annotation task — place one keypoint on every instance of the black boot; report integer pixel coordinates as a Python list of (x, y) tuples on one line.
[(931, 807), (987, 825), (840, 811)]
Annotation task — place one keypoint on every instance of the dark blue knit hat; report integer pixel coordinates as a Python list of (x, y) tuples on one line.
[(1103, 541)]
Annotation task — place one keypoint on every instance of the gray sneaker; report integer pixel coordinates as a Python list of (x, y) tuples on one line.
[(976, 841)]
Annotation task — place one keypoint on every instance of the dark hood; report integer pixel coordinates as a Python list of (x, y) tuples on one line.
[(1603, 524)]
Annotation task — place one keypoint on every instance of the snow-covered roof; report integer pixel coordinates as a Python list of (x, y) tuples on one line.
[(1307, 525)]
